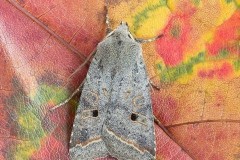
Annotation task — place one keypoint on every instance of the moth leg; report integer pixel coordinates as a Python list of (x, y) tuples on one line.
[(154, 85), (108, 29), (162, 126), (148, 40), (69, 98)]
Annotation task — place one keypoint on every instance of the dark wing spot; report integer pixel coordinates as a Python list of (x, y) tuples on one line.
[(113, 73), (85, 102), (135, 69), (90, 99), (84, 135), (100, 66), (134, 117), (142, 140), (119, 42), (136, 79), (95, 113)]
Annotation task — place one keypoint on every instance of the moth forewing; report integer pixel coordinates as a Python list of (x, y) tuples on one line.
[(116, 91)]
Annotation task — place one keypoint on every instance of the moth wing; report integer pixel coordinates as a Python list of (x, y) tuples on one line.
[(86, 142), (129, 129)]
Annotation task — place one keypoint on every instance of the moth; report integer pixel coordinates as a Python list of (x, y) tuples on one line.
[(114, 116)]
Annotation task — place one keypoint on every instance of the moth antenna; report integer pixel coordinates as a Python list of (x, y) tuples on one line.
[(108, 29), (148, 40), (154, 86)]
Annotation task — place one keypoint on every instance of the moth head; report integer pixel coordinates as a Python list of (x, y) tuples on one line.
[(122, 30), (122, 23)]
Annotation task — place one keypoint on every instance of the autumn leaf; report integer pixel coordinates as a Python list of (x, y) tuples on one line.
[(195, 63)]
